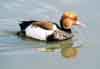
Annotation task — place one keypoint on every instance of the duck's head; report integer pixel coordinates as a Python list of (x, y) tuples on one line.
[(69, 19)]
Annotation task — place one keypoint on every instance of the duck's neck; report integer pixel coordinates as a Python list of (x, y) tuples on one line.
[(62, 27)]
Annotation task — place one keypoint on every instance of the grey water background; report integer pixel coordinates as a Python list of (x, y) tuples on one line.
[(17, 53)]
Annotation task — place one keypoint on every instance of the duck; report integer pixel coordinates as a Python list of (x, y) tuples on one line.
[(49, 31)]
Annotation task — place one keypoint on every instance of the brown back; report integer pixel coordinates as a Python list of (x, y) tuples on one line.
[(44, 24)]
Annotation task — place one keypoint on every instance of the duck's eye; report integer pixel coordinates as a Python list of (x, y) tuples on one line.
[(75, 18), (72, 18)]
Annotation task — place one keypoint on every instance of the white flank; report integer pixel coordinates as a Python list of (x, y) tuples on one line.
[(38, 33)]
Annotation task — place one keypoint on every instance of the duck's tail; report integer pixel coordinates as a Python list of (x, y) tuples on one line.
[(25, 24)]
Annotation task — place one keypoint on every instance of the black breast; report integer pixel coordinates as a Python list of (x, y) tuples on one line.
[(59, 35), (62, 28)]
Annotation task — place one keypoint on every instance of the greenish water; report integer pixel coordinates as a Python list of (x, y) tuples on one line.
[(19, 53)]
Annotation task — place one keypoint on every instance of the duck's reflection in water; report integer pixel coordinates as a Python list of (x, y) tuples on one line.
[(70, 53), (65, 48)]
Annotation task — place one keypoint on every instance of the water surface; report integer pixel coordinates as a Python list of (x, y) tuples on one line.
[(19, 53)]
